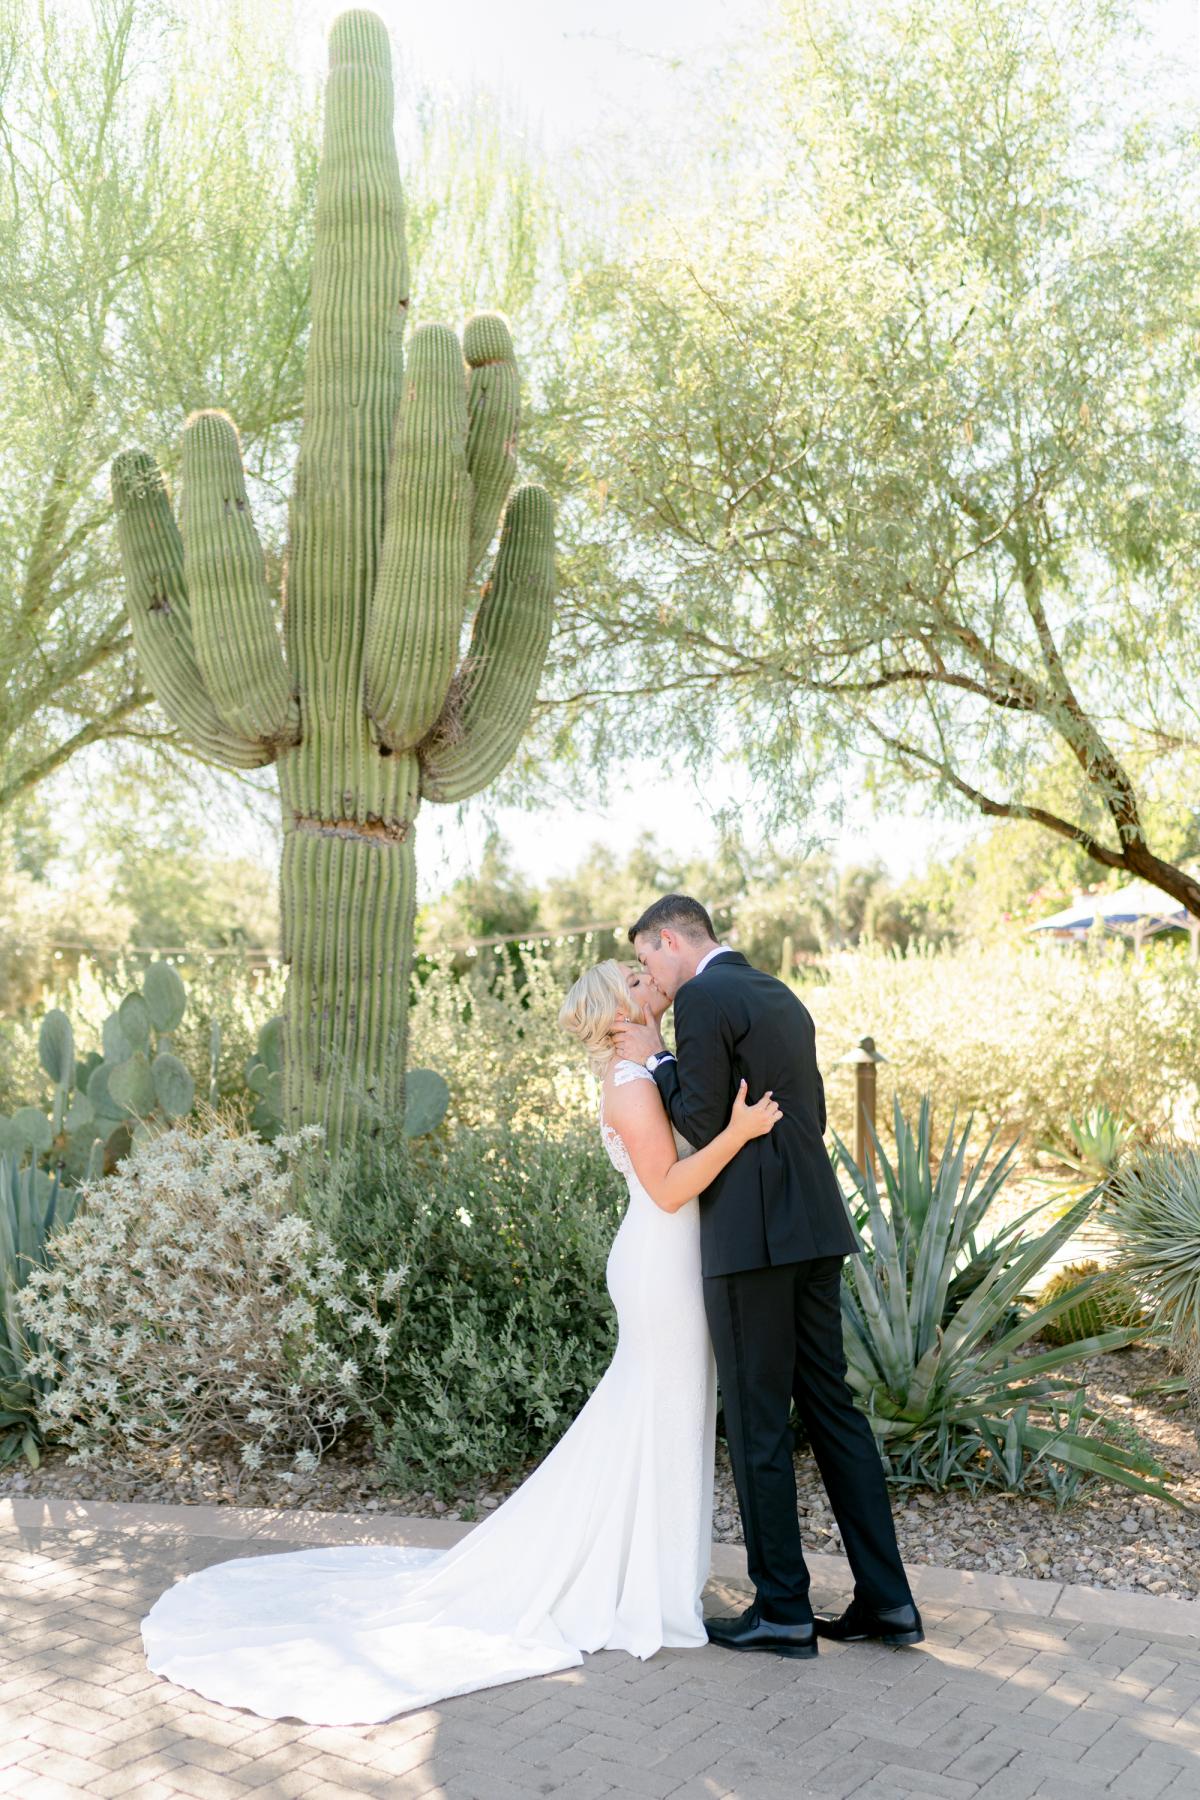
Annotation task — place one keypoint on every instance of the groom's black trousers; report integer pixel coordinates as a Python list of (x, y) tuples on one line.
[(777, 1334)]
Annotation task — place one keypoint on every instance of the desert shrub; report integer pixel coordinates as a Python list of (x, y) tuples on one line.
[(25, 932), (184, 1305), (1024, 1037), (35, 913), (22, 1079), (495, 1037), (504, 1324)]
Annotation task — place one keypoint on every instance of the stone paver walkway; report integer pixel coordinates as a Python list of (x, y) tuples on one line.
[(1022, 1689)]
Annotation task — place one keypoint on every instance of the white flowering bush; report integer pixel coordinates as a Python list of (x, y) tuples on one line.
[(188, 1305)]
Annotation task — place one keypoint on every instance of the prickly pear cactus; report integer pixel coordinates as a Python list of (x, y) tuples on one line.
[(103, 1103), (369, 706)]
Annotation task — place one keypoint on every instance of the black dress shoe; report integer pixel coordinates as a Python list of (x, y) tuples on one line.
[(890, 1624), (752, 1632)]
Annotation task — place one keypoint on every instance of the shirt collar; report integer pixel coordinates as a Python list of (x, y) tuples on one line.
[(705, 960)]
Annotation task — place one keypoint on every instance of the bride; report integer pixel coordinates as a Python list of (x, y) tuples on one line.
[(605, 1546)]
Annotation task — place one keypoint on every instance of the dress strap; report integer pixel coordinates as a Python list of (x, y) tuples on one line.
[(627, 1070)]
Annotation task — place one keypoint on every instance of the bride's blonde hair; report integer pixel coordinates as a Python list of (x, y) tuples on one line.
[(590, 1010)]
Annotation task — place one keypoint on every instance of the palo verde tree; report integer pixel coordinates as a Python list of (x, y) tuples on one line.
[(369, 705), (153, 229), (898, 465)]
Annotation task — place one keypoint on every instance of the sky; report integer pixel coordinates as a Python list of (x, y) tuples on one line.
[(582, 74)]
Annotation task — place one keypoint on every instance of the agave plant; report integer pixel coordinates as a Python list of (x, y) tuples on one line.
[(1098, 1141), (32, 1206), (915, 1191), (942, 1380)]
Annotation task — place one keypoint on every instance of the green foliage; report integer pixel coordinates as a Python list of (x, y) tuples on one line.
[(947, 1392), (503, 1324), (492, 902), (495, 1037), (103, 1103), (32, 1207), (263, 1070), (1023, 1037), (1154, 1208), (426, 1101), (1097, 1142), (862, 504), (364, 731), (176, 204), (1093, 1300)]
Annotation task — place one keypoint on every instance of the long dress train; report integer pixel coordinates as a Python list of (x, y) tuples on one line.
[(607, 1545)]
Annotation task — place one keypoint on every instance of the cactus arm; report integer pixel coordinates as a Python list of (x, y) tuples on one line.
[(352, 381), (488, 707), (493, 412), (233, 623), (420, 593), (152, 558)]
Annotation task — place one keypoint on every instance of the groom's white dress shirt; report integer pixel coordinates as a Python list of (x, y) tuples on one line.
[(660, 1056)]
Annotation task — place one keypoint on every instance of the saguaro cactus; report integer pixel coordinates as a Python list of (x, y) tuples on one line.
[(369, 704)]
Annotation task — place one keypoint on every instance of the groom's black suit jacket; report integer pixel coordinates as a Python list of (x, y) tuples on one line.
[(778, 1201)]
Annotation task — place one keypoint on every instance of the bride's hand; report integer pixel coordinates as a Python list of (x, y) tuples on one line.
[(753, 1121)]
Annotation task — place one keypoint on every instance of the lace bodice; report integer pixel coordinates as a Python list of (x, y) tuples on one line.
[(625, 1071)]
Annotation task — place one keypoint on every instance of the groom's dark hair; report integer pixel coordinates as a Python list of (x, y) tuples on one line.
[(674, 912)]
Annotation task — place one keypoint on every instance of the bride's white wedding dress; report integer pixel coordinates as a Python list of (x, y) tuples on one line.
[(607, 1545)]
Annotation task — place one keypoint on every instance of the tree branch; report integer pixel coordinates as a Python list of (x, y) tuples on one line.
[(93, 732)]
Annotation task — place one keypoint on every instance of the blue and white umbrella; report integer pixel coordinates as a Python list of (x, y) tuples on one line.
[(1137, 911)]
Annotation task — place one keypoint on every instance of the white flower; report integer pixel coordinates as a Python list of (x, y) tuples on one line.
[(460, 1212)]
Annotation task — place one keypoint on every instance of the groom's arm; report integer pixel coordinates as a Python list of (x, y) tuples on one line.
[(697, 1083)]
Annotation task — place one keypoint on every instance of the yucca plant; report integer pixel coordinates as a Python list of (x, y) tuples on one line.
[(1154, 1209), (32, 1205), (944, 1386)]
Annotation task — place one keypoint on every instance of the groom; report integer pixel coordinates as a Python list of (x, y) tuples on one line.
[(773, 1233)]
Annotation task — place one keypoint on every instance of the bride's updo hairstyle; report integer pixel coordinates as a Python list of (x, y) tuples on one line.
[(590, 1010)]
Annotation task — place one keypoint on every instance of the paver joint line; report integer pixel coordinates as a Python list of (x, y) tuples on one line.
[(1022, 1690)]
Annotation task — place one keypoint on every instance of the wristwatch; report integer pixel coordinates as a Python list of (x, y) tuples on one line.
[(655, 1057)]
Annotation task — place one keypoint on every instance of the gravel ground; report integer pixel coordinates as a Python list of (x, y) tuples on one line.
[(1108, 1538)]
